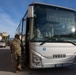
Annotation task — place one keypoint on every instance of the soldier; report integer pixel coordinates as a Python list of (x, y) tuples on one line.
[(16, 52)]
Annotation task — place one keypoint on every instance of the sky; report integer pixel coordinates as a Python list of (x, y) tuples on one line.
[(12, 11)]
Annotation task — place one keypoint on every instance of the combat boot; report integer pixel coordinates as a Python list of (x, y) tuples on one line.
[(17, 71), (19, 67)]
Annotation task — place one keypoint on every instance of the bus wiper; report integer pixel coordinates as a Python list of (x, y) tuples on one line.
[(57, 40), (46, 39), (69, 42)]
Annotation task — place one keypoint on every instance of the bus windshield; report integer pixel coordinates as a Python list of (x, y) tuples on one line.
[(53, 22)]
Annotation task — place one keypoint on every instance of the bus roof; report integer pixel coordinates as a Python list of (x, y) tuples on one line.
[(33, 3)]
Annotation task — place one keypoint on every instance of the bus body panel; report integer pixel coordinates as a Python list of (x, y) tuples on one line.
[(53, 54)]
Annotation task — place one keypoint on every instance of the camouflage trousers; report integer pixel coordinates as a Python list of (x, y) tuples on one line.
[(16, 56)]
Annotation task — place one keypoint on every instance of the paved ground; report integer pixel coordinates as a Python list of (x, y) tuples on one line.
[(6, 66)]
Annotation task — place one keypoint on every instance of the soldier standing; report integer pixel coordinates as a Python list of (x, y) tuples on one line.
[(16, 52)]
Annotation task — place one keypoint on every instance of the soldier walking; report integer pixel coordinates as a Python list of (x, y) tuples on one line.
[(16, 52)]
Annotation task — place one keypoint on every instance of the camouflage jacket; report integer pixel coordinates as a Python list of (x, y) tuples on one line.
[(15, 45)]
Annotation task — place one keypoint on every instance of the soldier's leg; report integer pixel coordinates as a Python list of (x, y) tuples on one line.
[(19, 63)]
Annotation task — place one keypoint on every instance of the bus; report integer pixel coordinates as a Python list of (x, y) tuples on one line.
[(48, 35)]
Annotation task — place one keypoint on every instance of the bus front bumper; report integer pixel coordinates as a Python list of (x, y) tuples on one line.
[(50, 63)]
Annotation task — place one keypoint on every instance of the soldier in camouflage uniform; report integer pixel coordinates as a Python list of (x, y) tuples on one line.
[(16, 51)]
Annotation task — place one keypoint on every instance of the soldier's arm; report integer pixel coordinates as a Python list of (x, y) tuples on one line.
[(11, 48)]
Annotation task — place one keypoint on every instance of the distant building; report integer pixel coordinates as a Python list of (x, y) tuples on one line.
[(1, 36), (4, 34), (5, 37)]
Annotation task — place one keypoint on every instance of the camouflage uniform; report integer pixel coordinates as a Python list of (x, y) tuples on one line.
[(16, 52)]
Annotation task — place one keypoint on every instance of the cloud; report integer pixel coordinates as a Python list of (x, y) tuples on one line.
[(7, 24)]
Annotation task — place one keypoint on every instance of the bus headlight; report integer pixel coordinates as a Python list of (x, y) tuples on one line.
[(36, 60)]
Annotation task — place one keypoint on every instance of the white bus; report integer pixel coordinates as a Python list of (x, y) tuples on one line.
[(48, 35)]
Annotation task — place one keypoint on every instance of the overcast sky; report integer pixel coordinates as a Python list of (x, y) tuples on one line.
[(11, 12)]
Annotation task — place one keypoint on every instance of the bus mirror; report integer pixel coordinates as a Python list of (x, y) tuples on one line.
[(30, 12)]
